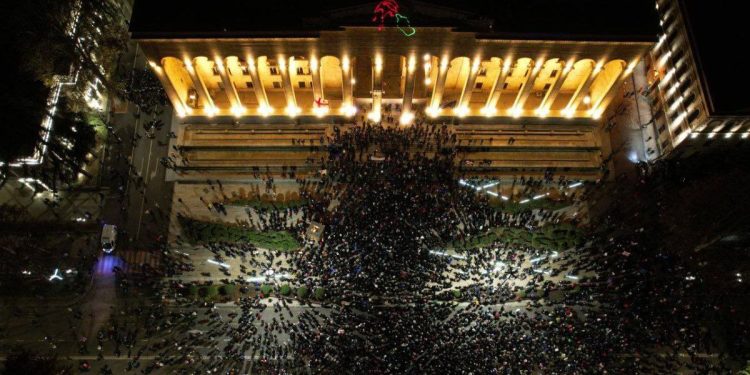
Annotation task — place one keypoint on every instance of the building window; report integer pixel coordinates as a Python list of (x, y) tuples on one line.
[(478, 86), (300, 71), (301, 84), (245, 71), (249, 84), (216, 70), (274, 70), (482, 72), (693, 115), (662, 128), (276, 84), (547, 86), (553, 74), (505, 85)]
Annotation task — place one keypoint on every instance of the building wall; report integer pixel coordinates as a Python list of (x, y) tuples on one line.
[(454, 72), (681, 116)]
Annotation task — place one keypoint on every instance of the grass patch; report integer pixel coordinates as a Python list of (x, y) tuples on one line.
[(551, 237), (202, 232)]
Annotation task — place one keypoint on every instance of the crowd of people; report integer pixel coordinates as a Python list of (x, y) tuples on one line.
[(408, 289), (400, 301)]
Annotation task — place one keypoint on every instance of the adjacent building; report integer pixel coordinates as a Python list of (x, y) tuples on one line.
[(695, 89)]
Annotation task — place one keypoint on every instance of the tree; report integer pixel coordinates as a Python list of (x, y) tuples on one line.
[(25, 361), (72, 139), (144, 90), (87, 35)]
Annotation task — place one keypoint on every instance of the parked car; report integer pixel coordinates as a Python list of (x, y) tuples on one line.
[(109, 238)]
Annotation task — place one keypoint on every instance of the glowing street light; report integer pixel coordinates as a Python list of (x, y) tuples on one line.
[(56, 275)]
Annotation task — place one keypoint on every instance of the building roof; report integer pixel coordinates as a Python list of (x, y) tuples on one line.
[(718, 35), (634, 20)]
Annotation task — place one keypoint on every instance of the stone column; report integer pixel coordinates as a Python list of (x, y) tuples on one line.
[(551, 95), (528, 85), (177, 102), (229, 89), (598, 107), (411, 77), (471, 80), (203, 94), (260, 91), (315, 72), (346, 83), (377, 88), (437, 90), (291, 100), (497, 88), (577, 97)]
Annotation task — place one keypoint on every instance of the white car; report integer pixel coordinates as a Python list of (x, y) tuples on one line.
[(109, 238)]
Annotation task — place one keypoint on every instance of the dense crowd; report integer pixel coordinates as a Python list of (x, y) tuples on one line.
[(408, 290)]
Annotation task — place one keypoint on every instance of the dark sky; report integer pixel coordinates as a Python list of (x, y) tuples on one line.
[(631, 19), (721, 32)]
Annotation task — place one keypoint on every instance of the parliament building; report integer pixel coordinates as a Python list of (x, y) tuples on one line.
[(260, 93)]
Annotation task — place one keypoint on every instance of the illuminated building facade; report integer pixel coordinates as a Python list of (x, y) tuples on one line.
[(533, 102), (695, 101)]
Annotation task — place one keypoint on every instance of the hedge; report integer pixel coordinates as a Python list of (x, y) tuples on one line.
[(227, 290), (551, 237), (320, 293), (285, 290), (197, 232), (302, 292), (266, 289)]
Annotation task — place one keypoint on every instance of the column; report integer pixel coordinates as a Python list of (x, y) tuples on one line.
[(377, 88), (551, 95), (528, 85), (315, 72), (437, 90), (291, 100), (577, 97), (177, 102), (346, 83), (598, 107), (463, 102), (411, 77), (490, 107), (203, 95), (260, 91), (229, 89)]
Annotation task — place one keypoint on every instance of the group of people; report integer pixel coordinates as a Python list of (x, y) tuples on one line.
[(409, 290)]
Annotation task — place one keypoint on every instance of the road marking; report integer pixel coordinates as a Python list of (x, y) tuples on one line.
[(143, 199)]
